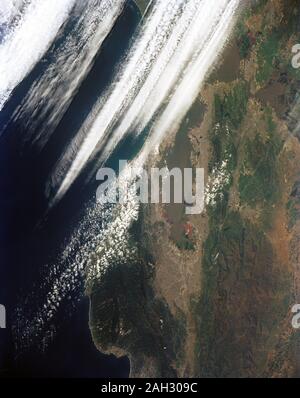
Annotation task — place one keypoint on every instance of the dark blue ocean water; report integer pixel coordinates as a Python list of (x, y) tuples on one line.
[(26, 247)]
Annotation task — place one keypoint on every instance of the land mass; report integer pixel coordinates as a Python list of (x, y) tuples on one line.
[(210, 295)]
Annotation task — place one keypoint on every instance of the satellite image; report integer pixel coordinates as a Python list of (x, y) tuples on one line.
[(149, 190)]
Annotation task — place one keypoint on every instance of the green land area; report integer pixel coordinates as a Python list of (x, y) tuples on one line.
[(210, 295)]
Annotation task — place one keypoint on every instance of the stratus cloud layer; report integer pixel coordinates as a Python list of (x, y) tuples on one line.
[(28, 39), (51, 94), (171, 55), (146, 49)]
